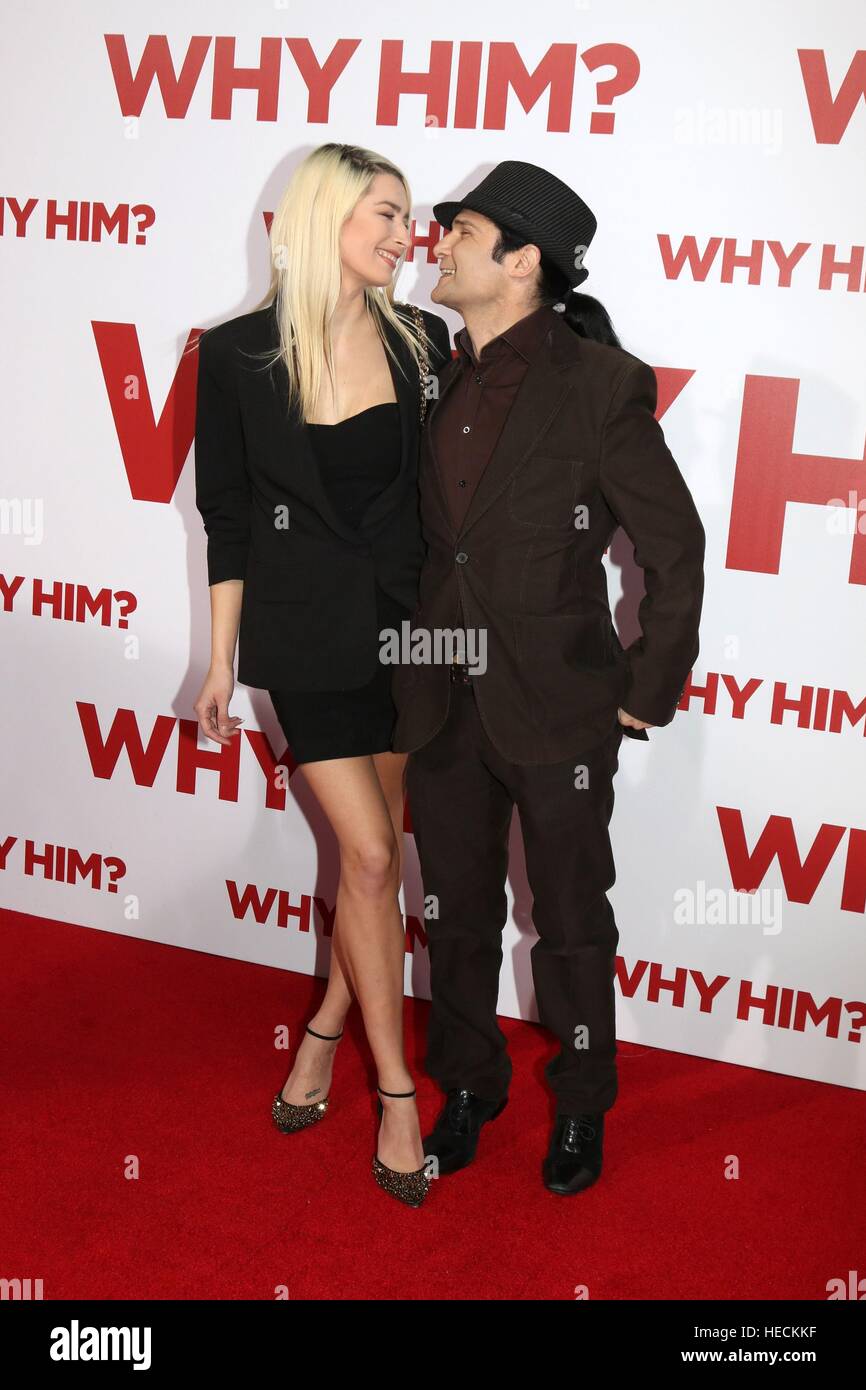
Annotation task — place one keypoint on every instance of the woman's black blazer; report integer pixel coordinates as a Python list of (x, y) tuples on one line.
[(308, 614)]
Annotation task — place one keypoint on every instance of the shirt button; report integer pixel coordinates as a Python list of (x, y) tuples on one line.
[(465, 429), (461, 557), (461, 482), (478, 378)]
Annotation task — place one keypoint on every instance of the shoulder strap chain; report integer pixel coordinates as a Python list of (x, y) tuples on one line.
[(424, 364)]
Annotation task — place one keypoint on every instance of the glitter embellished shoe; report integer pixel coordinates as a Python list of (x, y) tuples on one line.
[(287, 1117), (411, 1187)]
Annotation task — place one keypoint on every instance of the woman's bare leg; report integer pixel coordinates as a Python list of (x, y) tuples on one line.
[(311, 1075), (391, 771), (360, 797)]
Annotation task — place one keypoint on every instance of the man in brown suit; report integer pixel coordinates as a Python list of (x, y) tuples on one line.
[(542, 440)]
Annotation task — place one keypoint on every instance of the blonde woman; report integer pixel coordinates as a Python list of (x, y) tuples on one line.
[(308, 424)]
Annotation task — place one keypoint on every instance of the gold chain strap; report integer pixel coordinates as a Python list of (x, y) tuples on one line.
[(424, 364)]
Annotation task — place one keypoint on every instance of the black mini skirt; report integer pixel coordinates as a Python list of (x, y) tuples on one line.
[(324, 724)]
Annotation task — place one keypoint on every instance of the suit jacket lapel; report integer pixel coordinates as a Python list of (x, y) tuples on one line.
[(296, 451), (540, 395), (446, 379)]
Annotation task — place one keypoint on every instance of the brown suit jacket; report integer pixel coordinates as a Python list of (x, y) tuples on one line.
[(581, 453)]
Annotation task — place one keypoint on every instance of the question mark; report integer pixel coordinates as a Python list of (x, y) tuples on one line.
[(627, 64), (128, 603), (117, 869), (147, 218), (857, 1023)]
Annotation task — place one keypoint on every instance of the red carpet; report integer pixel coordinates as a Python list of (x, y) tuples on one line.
[(115, 1047)]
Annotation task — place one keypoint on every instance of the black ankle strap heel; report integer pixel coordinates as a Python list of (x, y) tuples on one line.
[(287, 1117), (395, 1095), (411, 1187)]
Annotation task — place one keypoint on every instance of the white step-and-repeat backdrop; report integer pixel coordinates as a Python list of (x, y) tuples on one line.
[(722, 150)]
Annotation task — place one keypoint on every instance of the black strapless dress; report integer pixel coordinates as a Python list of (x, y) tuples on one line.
[(359, 457)]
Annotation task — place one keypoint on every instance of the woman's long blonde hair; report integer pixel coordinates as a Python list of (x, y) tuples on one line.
[(305, 267)]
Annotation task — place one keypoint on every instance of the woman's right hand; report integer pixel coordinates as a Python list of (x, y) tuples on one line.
[(212, 705)]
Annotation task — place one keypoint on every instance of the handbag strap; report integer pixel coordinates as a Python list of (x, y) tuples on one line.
[(424, 364)]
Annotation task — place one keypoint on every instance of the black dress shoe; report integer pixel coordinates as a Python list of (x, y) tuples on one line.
[(455, 1134), (574, 1158)]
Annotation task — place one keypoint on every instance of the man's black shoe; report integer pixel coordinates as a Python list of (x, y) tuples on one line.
[(455, 1135), (574, 1158)]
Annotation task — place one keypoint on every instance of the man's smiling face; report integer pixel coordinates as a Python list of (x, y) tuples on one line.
[(469, 276)]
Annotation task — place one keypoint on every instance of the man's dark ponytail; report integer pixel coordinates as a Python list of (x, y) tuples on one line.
[(589, 318), (583, 314)]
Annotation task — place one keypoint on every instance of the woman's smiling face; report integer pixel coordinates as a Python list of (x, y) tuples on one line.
[(376, 235)]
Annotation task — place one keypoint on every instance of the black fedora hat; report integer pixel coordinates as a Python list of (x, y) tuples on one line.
[(535, 204)]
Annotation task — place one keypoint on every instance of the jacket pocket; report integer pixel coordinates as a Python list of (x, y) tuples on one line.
[(548, 646), (543, 493)]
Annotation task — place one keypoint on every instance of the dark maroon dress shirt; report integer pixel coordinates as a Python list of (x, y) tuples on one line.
[(470, 418)]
